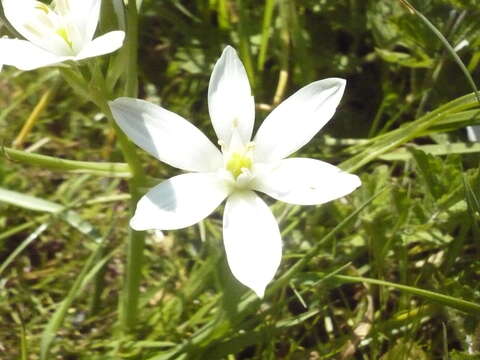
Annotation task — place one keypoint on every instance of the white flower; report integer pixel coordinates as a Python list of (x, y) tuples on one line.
[(56, 33), (250, 232), (473, 133)]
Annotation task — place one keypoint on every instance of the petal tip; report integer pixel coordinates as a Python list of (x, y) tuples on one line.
[(259, 291), (356, 181), (341, 84), (119, 102), (136, 224), (229, 49), (122, 35)]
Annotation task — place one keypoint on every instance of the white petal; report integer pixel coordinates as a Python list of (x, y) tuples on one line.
[(26, 56), (179, 202), (296, 120), (104, 44), (83, 14), (166, 135), (252, 240), (473, 133), (304, 181), (230, 100), (37, 26)]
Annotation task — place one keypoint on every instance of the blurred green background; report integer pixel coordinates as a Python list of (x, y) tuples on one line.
[(390, 272)]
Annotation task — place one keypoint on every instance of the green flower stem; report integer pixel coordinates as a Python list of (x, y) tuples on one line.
[(136, 243), (131, 86), (98, 94), (136, 240), (266, 26), (245, 49)]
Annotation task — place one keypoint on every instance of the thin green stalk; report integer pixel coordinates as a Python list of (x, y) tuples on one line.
[(98, 94), (32, 237), (266, 25), (136, 241), (131, 86), (245, 50), (24, 341), (439, 298)]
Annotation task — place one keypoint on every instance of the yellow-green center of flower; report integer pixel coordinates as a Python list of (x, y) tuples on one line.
[(42, 7), (62, 32), (47, 18), (237, 163)]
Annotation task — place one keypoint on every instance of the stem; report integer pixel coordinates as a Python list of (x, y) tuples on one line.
[(98, 94), (267, 23), (136, 240), (245, 49), (131, 86)]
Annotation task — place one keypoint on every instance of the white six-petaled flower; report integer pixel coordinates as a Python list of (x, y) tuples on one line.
[(54, 34), (250, 232)]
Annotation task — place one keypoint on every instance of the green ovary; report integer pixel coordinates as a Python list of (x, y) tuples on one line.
[(237, 162)]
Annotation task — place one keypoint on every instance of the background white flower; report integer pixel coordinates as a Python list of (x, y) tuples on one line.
[(56, 33), (251, 235), (473, 133)]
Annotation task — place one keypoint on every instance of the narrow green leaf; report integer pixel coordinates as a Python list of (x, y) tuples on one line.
[(32, 237), (72, 166), (36, 204), (29, 202), (403, 154), (442, 299), (373, 148)]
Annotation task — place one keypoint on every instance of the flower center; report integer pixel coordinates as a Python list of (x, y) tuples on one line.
[(47, 20), (42, 7), (62, 32), (238, 163)]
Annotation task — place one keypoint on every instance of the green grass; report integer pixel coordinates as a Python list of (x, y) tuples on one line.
[(390, 272)]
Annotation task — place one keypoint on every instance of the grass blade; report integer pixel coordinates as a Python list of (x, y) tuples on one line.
[(32, 237), (89, 270), (442, 299)]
